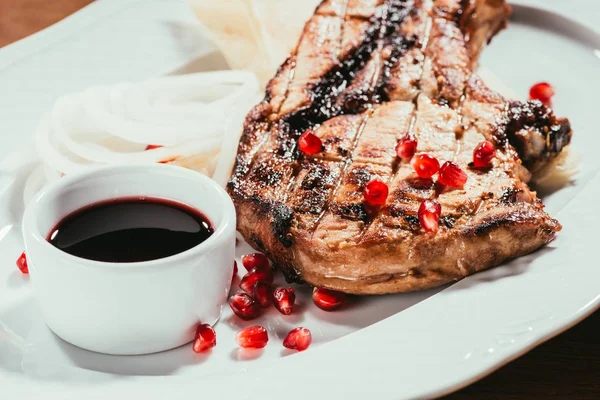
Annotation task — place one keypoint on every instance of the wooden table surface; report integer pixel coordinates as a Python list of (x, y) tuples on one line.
[(566, 367)]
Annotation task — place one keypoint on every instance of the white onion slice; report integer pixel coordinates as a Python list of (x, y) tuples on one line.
[(129, 112), (196, 119)]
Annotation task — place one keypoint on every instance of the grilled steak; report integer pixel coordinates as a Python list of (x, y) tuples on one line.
[(363, 75)]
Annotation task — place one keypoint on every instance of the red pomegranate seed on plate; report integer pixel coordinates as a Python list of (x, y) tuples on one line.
[(483, 154), (206, 338), (284, 299), (310, 143), (376, 192), (298, 339), (542, 91), (425, 165), (153, 146), (452, 175), (327, 299), (406, 147), (429, 215), (253, 276), (244, 306), (262, 294), (253, 337), (255, 260), (22, 263)]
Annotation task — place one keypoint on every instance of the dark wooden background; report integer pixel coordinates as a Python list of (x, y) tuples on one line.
[(566, 367)]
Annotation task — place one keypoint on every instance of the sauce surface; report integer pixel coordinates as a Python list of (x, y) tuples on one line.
[(127, 230)]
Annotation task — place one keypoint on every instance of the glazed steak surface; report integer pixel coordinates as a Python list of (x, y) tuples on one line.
[(364, 74)]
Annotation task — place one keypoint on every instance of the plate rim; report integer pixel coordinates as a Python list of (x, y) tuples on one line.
[(163, 386)]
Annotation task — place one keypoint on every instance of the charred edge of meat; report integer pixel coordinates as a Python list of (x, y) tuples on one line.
[(324, 93), (269, 93), (289, 272), (534, 131), (258, 242), (488, 225), (252, 128), (281, 223)]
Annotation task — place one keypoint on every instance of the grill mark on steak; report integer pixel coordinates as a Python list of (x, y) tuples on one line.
[(320, 104), (345, 167), (393, 12), (313, 234), (448, 17), (263, 113), (323, 105), (370, 153)]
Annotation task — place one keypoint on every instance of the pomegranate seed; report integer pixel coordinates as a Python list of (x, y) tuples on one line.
[(483, 154), (22, 263), (425, 165), (205, 339), (310, 143), (262, 294), (298, 339), (543, 92), (376, 192), (327, 299), (429, 215), (244, 306), (255, 260), (452, 175), (284, 300), (406, 147), (253, 276), (235, 270), (153, 146), (253, 337)]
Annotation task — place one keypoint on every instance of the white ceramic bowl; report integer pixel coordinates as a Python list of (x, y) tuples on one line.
[(130, 308)]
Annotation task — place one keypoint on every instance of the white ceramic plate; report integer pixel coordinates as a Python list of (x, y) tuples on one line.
[(402, 346)]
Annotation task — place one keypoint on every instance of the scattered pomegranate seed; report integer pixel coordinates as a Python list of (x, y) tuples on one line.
[(483, 154), (235, 270), (205, 339), (284, 299), (425, 165), (262, 294), (22, 263), (153, 146), (376, 192), (310, 143), (406, 147), (327, 299), (298, 339), (253, 337), (244, 306), (429, 215), (253, 276), (255, 260), (452, 175), (543, 92)]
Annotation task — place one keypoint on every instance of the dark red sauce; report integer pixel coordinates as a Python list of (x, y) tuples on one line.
[(131, 230)]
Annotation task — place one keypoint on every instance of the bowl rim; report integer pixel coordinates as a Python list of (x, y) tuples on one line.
[(227, 224)]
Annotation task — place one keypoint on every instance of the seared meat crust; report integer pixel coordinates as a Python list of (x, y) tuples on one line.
[(364, 74)]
